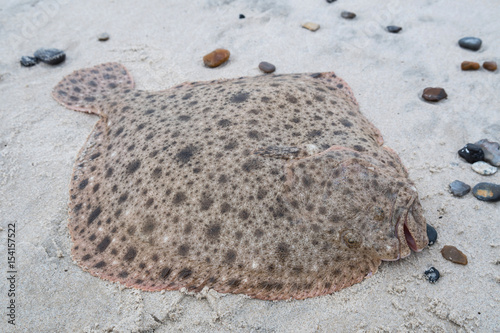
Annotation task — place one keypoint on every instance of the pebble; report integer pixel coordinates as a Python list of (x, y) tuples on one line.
[(242, 16), (484, 168), (490, 65), (431, 234), (348, 15), (491, 151), (470, 66), (311, 26), (267, 67), (50, 56), (432, 275), (394, 29), (330, 1), (471, 153), (470, 43), (216, 58), (454, 255), (487, 192), (103, 37), (434, 94), (28, 61), (458, 188)]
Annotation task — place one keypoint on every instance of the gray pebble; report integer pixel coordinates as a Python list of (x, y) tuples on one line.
[(484, 168), (50, 56), (491, 151), (432, 275), (487, 192), (394, 29), (458, 188), (470, 43), (348, 15), (28, 61), (103, 37), (267, 67)]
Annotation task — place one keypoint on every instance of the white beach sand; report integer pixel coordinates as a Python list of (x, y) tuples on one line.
[(162, 44)]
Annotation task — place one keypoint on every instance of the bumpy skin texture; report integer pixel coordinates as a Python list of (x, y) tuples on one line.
[(273, 186)]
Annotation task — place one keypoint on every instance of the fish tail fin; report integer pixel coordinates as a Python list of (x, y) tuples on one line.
[(86, 89)]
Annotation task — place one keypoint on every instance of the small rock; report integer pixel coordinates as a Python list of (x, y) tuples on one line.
[(434, 94), (458, 188), (490, 65), (454, 255), (103, 37), (491, 151), (50, 56), (348, 15), (431, 234), (216, 58), (311, 26), (242, 16), (470, 66), (28, 61), (484, 168), (267, 67), (470, 43), (432, 275), (330, 1), (471, 153), (394, 29), (487, 192)]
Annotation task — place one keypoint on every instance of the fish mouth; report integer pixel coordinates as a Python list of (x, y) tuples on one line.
[(409, 218)]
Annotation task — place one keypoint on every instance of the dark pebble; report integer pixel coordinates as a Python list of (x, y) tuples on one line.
[(490, 65), (330, 1), (434, 94), (432, 275), (267, 67), (394, 29), (431, 234), (28, 61), (458, 188), (242, 16), (103, 37), (50, 56), (471, 153), (348, 15), (470, 43), (487, 192)]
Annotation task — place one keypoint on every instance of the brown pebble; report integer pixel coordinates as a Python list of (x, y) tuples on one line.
[(434, 94), (216, 58), (470, 66), (311, 26), (267, 67), (490, 65), (453, 254)]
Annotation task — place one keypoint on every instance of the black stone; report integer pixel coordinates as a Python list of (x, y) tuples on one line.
[(330, 1), (487, 192), (50, 56), (267, 67), (470, 43), (434, 94), (348, 15), (431, 234), (458, 188), (432, 275), (471, 153), (28, 61), (394, 29), (242, 16)]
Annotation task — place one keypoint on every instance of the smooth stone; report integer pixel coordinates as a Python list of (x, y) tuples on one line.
[(394, 29), (470, 66), (330, 1), (491, 151), (470, 43), (454, 255), (267, 67), (348, 15), (434, 94), (487, 192), (431, 234), (432, 275), (50, 56), (311, 26), (103, 37), (28, 61), (458, 188), (242, 16), (490, 65), (484, 168), (471, 153), (216, 58)]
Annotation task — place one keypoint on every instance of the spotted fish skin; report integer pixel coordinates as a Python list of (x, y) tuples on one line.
[(273, 186)]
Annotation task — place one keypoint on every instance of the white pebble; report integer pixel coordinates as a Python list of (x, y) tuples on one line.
[(484, 168)]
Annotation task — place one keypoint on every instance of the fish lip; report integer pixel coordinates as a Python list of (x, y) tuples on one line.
[(408, 237)]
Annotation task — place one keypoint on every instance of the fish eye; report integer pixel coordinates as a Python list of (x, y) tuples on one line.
[(351, 239)]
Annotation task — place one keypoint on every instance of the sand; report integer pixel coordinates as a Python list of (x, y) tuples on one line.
[(162, 44)]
